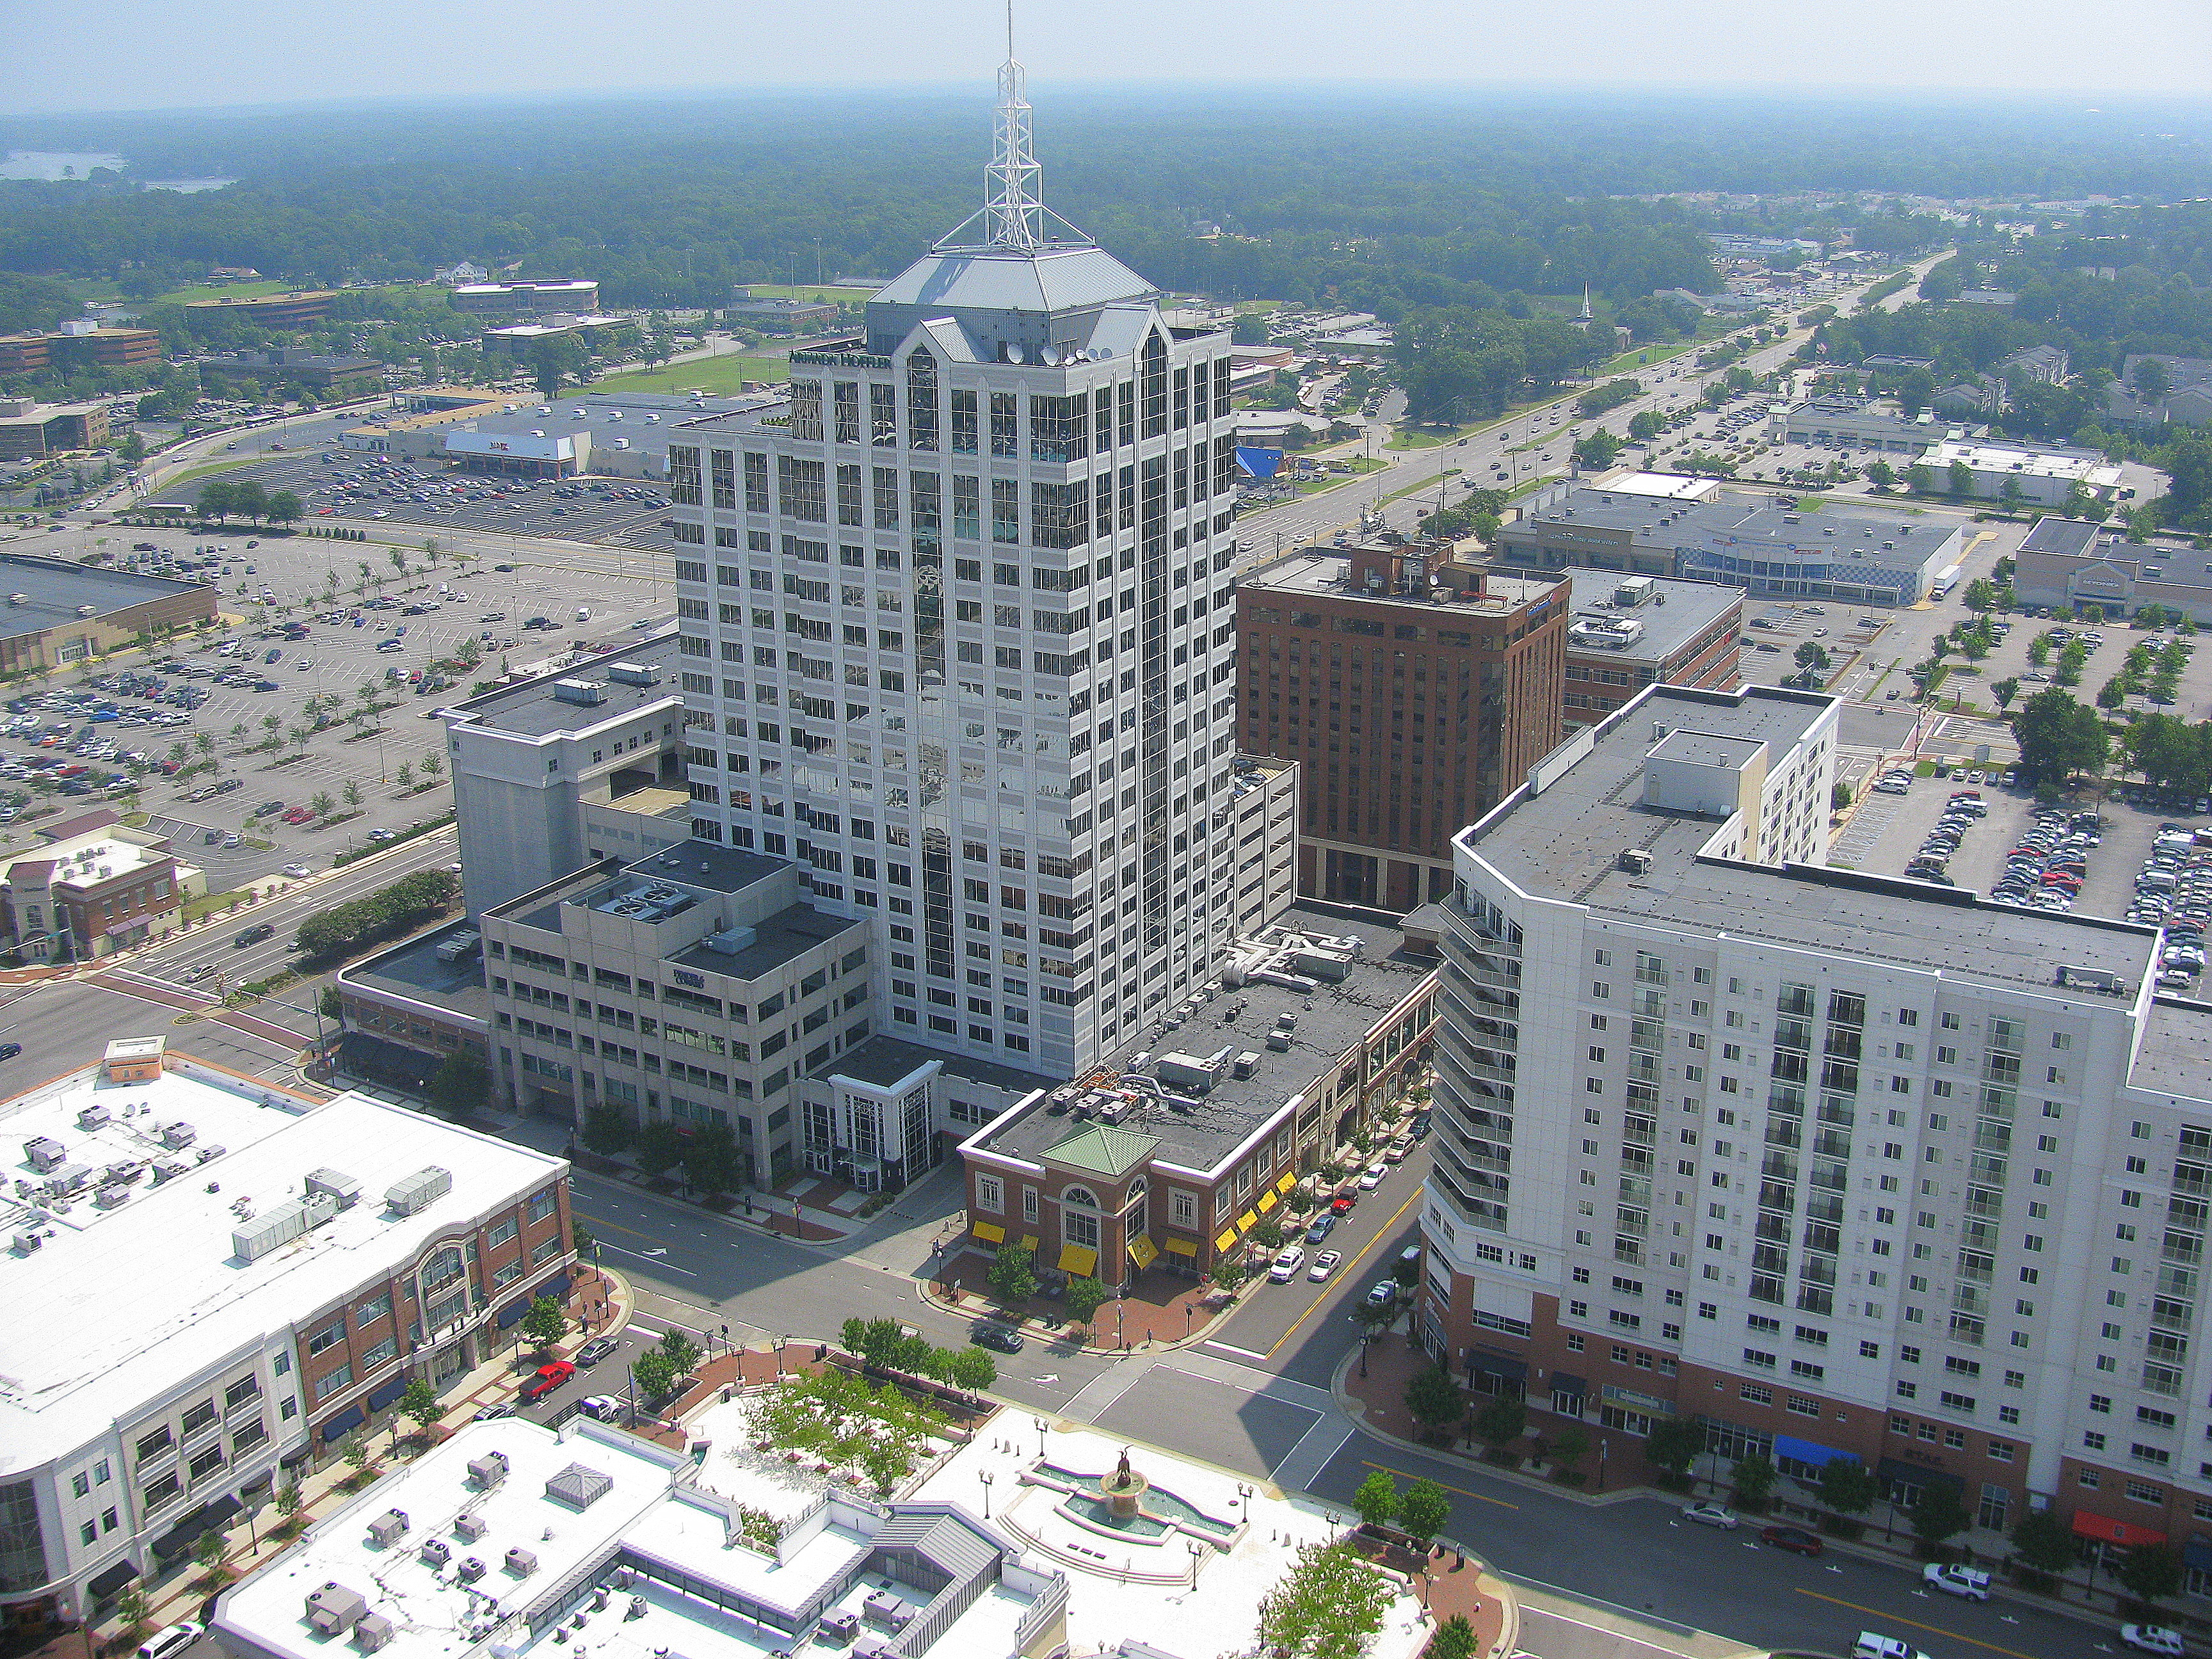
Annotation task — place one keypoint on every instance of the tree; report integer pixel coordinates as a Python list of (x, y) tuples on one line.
[(404, 776), (973, 1369), (1645, 425), (2009, 494), (131, 1611), (1084, 1298), (1229, 1273), (249, 499), (1423, 1510), (284, 507), (607, 1129), (1454, 1639), (432, 763), (1250, 330), (1377, 1500), (356, 1452), (1330, 1606), (2004, 690), (1848, 1486), (682, 1353), (289, 1499), (421, 1403), (2043, 1543), (351, 793), (1503, 1420), (215, 500), (208, 1549), (1674, 1444), (2058, 737), (1880, 474), (1961, 478), (2150, 378), (1812, 655), (460, 1085), (1937, 1514), (1753, 1478), (555, 360), (655, 1373), (1434, 1399), (1569, 1446), (2150, 1573), (546, 1322), (1012, 1274), (658, 1147), (712, 1162), (1597, 451)]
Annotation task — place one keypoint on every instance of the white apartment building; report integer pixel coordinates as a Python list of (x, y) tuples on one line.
[(1843, 1165), (211, 1283), (956, 637)]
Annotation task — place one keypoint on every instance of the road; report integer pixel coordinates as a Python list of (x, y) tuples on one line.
[(1254, 1398)]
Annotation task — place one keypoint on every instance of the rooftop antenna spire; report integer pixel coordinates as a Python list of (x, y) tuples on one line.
[(1013, 200)]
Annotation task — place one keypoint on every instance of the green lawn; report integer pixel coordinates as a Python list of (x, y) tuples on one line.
[(717, 376), (817, 292), (220, 291), (209, 903)]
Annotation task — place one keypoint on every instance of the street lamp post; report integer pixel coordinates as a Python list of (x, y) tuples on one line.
[(1039, 1423), (984, 1475)]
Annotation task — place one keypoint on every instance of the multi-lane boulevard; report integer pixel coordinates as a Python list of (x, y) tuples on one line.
[(1256, 1397)]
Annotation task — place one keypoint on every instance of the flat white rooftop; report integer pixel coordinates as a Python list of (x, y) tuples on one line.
[(2092, 470), (442, 1607), (111, 1305)]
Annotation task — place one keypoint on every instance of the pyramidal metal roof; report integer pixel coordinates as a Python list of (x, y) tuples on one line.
[(1103, 1150), (1045, 279)]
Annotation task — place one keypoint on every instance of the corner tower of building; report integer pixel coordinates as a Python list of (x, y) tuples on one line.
[(956, 637)]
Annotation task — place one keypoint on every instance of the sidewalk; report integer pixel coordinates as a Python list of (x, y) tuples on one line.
[(599, 1300), (1161, 1309)]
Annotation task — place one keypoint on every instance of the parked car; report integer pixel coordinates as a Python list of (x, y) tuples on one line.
[(597, 1349), (1383, 1292), (1005, 1338), (2146, 1638), (252, 935), (600, 1407), (1796, 1540), (1711, 1515), (1285, 1268), (1324, 1265), (1971, 1583), (173, 1638), (1323, 1224), (546, 1378)]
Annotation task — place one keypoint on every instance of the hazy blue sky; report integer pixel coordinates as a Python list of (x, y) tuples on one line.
[(135, 54)]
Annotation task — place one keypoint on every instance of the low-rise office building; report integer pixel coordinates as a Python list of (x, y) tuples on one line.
[(1841, 1166), (77, 344), (518, 339), (2066, 562), (789, 316), (94, 888), (577, 296), (406, 1009), (212, 1282), (2186, 400), (1411, 693), (1851, 552), (1625, 632), (560, 771), (1171, 1155), (2033, 473), (1868, 423), (29, 430), (56, 613), (275, 310)]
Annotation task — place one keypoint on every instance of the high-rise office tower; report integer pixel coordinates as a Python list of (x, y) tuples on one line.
[(957, 637)]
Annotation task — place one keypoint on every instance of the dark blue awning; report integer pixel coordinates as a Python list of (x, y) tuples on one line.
[(345, 1423), (511, 1312), (1807, 1451), (104, 1582), (2197, 1553), (386, 1392), (557, 1286)]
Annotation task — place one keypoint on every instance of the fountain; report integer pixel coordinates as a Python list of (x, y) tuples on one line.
[(1123, 1489)]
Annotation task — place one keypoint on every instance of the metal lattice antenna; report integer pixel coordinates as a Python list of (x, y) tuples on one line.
[(1013, 200)]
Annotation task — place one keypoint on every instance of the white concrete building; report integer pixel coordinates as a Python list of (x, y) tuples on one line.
[(209, 1281), (1843, 1165), (2042, 476), (959, 634)]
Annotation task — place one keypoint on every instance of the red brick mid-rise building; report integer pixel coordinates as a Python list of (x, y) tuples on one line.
[(1416, 695)]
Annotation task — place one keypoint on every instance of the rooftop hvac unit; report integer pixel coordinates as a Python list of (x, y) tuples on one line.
[(436, 1552), (634, 673), (373, 1631), (521, 1562), (111, 1195), (1636, 862), (583, 691), (26, 1240), (45, 1154), (265, 1233), (389, 1528), (472, 1566), (488, 1470), (1279, 1040), (1245, 1064), (178, 1135), (468, 1527), (168, 1169), (94, 1116), (732, 940), (337, 1185), (334, 1608), (411, 1195)]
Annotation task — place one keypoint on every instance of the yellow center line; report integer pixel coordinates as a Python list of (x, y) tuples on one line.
[(1347, 1270), (1479, 1498), (599, 1225), (1915, 1623)]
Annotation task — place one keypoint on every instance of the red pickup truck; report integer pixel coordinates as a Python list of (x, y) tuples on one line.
[(547, 1378)]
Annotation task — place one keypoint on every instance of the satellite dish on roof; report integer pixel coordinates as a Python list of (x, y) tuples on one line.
[(1013, 352)]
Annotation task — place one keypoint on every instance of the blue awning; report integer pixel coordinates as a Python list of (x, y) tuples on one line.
[(555, 1287), (511, 1312), (1257, 463), (386, 1392), (345, 1423), (1805, 1451)]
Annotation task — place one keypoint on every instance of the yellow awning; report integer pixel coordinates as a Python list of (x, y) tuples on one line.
[(1290, 1180), (1181, 1246), (1030, 1243), (1227, 1238), (1267, 1201), (1244, 1223), (989, 1231), (1077, 1259), (1143, 1251)]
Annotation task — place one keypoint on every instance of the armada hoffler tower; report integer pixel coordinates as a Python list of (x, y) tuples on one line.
[(958, 638)]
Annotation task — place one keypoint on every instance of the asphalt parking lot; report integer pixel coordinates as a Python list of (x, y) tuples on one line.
[(378, 488), (1980, 857)]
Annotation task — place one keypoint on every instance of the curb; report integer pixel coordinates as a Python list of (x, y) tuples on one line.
[(1043, 1334)]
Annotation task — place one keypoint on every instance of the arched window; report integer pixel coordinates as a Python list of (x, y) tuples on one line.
[(442, 1268), (1078, 1217)]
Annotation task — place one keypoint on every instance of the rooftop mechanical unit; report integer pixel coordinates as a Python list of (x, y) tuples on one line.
[(45, 1154), (411, 1195), (521, 1562), (334, 1609), (373, 1631), (488, 1470), (335, 1184), (468, 1527), (389, 1528)]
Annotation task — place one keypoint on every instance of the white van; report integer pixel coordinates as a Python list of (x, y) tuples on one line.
[(583, 613), (1872, 1646), (178, 1636)]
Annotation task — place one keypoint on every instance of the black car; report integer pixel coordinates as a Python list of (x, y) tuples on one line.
[(1001, 1337), (252, 935), (10, 1050), (597, 1349)]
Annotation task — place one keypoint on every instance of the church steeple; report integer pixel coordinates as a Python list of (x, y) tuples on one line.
[(1586, 315)]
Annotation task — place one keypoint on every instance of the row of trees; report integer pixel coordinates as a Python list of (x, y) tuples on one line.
[(889, 1346), (405, 905), (708, 1154), (248, 498)]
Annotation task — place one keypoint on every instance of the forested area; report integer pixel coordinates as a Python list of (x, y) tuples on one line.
[(1416, 201)]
